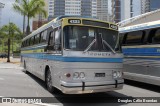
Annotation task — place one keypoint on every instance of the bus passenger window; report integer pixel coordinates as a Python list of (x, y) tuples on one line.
[(43, 36), (134, 38), (27, 42), (51, 39), (57, 45), (156, 38), (32, 41), (36, 39), (24, 44), (51, 42)]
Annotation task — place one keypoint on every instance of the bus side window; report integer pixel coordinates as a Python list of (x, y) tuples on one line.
[(43, 36), (51, 38), (151, 35), (123, 39), (32, 41), (37, 37), (27, 42), (134, 38), (51, 41), (57, 45), (156, 37), (24, 43)]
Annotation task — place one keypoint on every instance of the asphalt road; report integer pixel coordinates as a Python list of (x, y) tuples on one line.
[(15, 83)]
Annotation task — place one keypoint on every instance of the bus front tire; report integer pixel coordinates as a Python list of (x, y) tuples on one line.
[(49, 81), (25, 69)]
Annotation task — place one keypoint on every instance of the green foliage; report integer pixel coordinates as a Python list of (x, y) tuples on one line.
[(14, 33), (30, 8)]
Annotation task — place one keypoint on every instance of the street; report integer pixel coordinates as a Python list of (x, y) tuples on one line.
[(15, 83)]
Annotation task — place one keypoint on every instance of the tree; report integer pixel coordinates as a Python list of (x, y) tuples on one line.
[(10, 31), (2, 39), (30, 8)]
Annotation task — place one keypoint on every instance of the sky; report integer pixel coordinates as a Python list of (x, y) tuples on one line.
[(9, 14)]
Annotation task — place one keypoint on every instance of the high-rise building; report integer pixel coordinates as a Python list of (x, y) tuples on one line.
[(116, 10), (70, 7), (131, 8), (88, 8), (154, 4), (145, 6), (102, 10), (56, 8), (85, 8), (94, 8), (73, 7)]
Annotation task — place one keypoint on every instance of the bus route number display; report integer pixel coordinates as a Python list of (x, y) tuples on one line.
[(74, 21), (113, 26)]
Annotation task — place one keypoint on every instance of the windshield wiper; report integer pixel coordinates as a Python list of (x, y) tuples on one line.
[(109, 46), (90, 45)]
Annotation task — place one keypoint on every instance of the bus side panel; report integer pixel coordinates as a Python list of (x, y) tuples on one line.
[(142, 70)]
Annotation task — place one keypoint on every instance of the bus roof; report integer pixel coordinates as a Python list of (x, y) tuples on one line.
[(47, 25), (148, 25)]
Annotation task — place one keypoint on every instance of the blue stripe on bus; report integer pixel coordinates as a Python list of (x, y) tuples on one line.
[(143, 58), (141, 51), (72, 59)]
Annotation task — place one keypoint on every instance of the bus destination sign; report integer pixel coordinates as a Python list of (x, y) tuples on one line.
[(114, 26), (74, 21)]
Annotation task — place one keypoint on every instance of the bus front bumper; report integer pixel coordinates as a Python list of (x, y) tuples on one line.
[(91, 87)]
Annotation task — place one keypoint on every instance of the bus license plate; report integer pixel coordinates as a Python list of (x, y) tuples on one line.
[(99, 74)]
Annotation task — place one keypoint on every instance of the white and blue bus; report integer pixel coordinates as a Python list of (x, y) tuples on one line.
[(141, 48), (75, 55)]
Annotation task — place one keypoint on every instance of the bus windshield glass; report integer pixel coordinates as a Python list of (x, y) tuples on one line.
[(82, 38)]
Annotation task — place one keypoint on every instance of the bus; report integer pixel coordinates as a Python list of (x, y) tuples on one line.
[(141, 49), (76, 55)]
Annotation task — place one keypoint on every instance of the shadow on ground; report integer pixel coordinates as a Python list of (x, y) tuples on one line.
[(150, 87)]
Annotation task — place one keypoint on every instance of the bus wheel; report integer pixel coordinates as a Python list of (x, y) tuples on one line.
[(49, 81), (25, 68)]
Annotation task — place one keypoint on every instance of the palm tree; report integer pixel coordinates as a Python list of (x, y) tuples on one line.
[(30, 8), (2, 39), (9, 32)]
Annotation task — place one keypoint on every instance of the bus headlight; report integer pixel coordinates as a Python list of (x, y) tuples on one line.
[(82, 75), (76, 75), (114, 74), (119, 74)]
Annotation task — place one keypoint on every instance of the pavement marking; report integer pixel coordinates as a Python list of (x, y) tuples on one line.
[(45, 104)]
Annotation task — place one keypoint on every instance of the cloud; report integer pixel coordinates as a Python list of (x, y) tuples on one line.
[(8, 14)]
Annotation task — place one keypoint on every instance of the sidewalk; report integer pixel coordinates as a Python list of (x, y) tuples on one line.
[(12, 60)]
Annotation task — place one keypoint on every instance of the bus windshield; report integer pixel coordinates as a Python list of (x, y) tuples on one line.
[(82, 38)]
